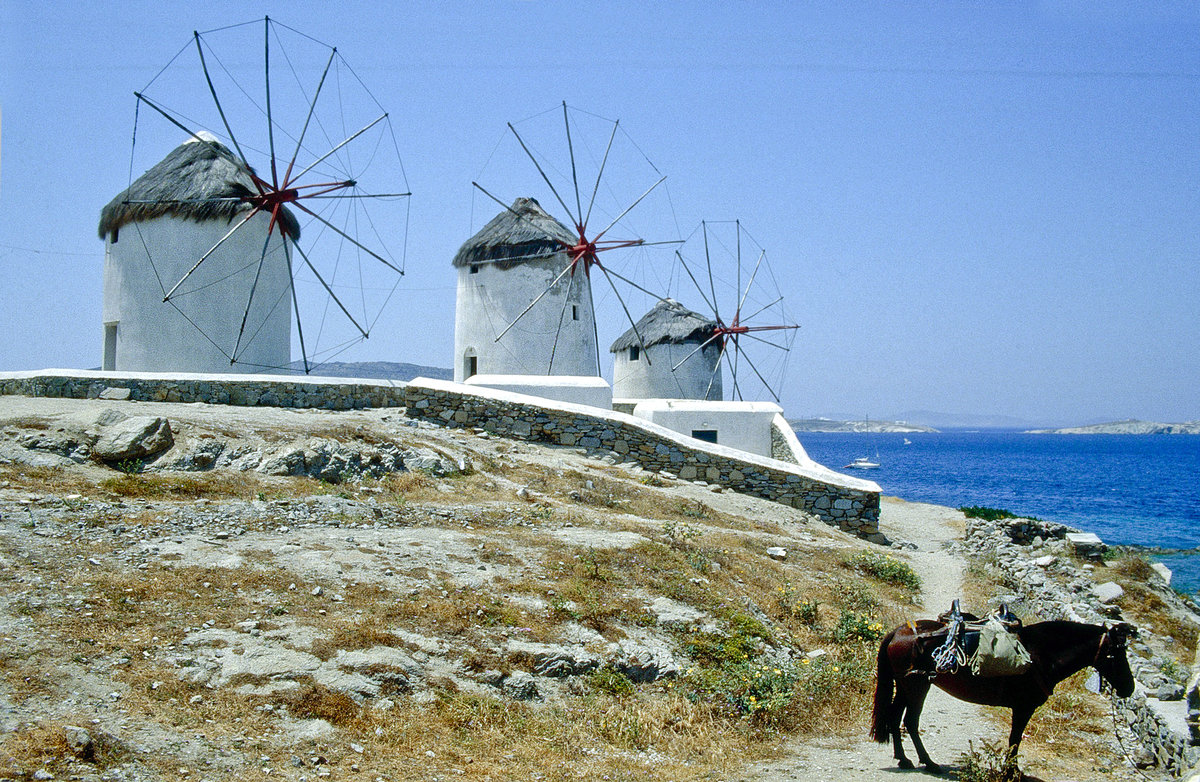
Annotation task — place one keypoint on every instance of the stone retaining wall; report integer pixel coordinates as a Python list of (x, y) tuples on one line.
[(781, 449), (842, 501), (243, 390), (848, 503)]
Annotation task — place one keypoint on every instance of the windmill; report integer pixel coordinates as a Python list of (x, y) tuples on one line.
[(285, 205), (670, 355), (752, 333), (525, 300)]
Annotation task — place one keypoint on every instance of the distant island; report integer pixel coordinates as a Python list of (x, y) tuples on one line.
[(830, 425), (1126, 427)]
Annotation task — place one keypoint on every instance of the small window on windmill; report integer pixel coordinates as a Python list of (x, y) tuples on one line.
[(707, 435), (635, 352), (474, 267), (574, 312)]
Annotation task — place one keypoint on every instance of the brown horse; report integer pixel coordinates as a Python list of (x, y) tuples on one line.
[(1058, 649)]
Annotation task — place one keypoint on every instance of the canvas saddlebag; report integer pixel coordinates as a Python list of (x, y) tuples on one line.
[(1000, 652)]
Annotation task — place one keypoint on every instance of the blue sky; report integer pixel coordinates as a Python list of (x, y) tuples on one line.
[(968, 208)]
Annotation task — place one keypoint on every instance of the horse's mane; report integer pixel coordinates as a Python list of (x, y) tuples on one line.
[(1056, 636), (1060, 629)]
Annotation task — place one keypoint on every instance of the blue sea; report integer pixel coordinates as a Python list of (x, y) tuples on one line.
[(1142, 489)]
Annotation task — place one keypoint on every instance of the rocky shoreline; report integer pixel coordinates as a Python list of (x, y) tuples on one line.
[(1127, 427), (1042, 566)]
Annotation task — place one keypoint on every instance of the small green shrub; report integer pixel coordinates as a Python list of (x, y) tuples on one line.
[(854, 595), (794, 607), (678, 533), (787, 696), (699, 560), (992, 762), (541, 512), (885, 568), (716, 650), (985, 513), (745, 625), (130, 466), (853, 627), (747, 688), (824, 680), (610, 681), (560, 609)]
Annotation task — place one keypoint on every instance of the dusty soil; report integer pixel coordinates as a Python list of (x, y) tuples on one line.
[(187, 627)]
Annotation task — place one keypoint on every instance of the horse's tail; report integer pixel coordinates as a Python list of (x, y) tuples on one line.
[(884, 689)]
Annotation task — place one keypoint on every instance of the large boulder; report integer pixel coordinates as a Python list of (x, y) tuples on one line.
[(553, 660), (432, 462), (1108, 592), (644, 662), (133, 438)]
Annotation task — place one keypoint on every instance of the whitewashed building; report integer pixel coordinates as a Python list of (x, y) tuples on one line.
[(745, 426), (669, 354), (502, 270), (156, 231)]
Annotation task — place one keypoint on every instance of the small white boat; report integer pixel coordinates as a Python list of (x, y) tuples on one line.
[(907, 441), (862, 463)]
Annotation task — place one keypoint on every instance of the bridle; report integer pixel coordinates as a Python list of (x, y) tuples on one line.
[(1112, 645)]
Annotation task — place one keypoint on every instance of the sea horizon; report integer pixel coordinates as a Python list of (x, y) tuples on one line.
[(1128, 489)]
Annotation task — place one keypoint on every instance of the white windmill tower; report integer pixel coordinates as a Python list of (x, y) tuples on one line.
[(670, 355), (176, 212), (526, 319), (204, 270), (501, 269), (681, 388)]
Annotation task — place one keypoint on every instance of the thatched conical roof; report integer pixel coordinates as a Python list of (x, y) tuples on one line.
[(667, 321), (198, 180), (520, 233)]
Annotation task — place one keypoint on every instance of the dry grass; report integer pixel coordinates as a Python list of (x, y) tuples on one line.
[(618, 495), (93, 615), (313, 701), (476, 737), (44, 745), (350, 636), (45, 480), (214, 485), (1143, 604)]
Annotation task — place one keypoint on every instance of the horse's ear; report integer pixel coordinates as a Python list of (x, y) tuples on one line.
[(1123, 630)]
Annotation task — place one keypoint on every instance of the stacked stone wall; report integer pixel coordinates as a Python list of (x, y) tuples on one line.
[(781, 449), (652, 447), (251, 392), (855, 510)]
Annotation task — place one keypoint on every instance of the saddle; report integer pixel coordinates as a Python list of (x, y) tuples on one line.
[(962, 636)]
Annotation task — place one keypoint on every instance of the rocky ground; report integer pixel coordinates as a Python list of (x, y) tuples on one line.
[(206, 592)]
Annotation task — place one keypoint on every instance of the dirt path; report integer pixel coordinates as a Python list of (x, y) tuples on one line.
[(946, 724)]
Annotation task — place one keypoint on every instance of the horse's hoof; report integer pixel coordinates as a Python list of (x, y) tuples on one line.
[(933, 768), (906, 763)]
